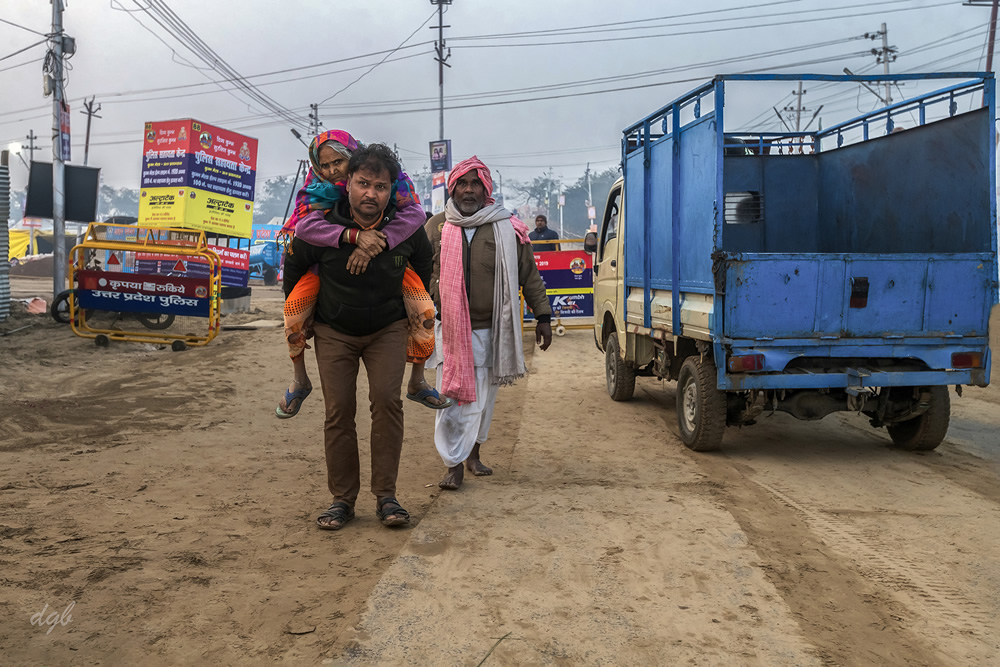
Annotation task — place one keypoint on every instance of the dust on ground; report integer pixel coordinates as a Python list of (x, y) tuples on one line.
[(156, 492)]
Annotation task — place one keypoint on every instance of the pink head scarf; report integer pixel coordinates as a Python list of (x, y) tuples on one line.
[(482, 171)]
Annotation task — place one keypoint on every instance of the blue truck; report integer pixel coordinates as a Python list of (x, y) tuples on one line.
[(851, 268), (265, 260)]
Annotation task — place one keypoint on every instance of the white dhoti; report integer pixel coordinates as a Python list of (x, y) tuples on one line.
[(458, 428)]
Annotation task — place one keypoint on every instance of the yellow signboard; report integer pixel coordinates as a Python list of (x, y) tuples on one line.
[(193, 208)]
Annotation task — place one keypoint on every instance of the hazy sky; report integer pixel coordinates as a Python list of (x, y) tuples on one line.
[(139, 72)]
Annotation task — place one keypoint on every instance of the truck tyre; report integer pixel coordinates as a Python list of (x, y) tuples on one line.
[(621, 377), (924, 433), (270, 277), (701, 408)]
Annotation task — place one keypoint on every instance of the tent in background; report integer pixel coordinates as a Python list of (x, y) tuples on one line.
[(19, 241)]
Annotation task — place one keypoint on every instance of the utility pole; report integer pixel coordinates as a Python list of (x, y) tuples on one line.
[(993, 31), (885, 62), (884, 56), (90, 112), (442, 58), (31, 136), (798, 108), (314, 119), (548, 193), (58, 39)]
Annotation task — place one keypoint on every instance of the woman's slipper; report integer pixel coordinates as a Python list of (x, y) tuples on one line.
[(430, 392), (293, 401)]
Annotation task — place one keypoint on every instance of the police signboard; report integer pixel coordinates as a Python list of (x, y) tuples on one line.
[(129, 292)]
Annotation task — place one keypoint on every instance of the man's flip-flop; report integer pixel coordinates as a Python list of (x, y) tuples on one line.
[(429, 392), (290, 396)]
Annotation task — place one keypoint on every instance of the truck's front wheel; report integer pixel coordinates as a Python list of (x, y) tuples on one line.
[(621, 377), (701, 408), (924, 433)]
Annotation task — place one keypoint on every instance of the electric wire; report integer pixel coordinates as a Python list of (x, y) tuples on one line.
[(161, 13), (369, 71), (607, 27), (18, 25), (19, 51), (771, 24)]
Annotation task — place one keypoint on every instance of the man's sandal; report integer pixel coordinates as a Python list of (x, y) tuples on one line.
[(341, 512), (389, 507)]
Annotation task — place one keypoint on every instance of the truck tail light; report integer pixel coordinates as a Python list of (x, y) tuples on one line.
[(746, 363), (967, 360)]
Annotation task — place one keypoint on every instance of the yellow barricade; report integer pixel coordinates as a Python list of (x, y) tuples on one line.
[(145, 295)]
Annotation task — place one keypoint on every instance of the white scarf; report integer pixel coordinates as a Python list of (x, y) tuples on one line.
[(508, 351)]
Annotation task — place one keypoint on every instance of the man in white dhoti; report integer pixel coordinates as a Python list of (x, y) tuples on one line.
[(482, 255)]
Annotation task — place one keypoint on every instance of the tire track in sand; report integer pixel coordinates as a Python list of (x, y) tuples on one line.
[(936, 597)]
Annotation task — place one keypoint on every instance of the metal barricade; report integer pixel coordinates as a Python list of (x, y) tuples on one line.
[(96, 288)]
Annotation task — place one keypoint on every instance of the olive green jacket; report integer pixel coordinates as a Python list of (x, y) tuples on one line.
[(479, 260)]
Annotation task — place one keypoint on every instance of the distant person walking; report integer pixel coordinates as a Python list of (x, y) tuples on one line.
[(482, 255), (543, 233), (361, 317)]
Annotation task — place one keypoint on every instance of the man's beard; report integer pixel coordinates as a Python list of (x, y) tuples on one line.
[(468, 208)]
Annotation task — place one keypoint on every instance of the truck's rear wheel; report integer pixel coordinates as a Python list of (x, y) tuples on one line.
[(701, 408), (621, 377), (924, 433)]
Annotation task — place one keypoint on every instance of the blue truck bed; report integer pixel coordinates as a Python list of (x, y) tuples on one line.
[(866, 257)]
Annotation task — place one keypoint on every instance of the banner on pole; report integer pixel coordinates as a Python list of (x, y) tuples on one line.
[(65, 145), (441, 155), (438, 191)]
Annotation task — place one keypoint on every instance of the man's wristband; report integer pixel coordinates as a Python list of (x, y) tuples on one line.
[(543, 319)]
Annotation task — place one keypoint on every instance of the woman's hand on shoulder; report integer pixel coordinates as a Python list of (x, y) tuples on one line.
[(372, 242)]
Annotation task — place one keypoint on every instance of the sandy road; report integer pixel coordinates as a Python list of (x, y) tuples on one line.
[(156, 492)]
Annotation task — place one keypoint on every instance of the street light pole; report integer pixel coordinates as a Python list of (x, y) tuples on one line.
[(442, 59), (58, 166)]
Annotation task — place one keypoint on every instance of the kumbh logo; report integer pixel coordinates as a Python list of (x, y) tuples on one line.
[(205, 139), (192, 194), (143, 194), (577, 266)]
